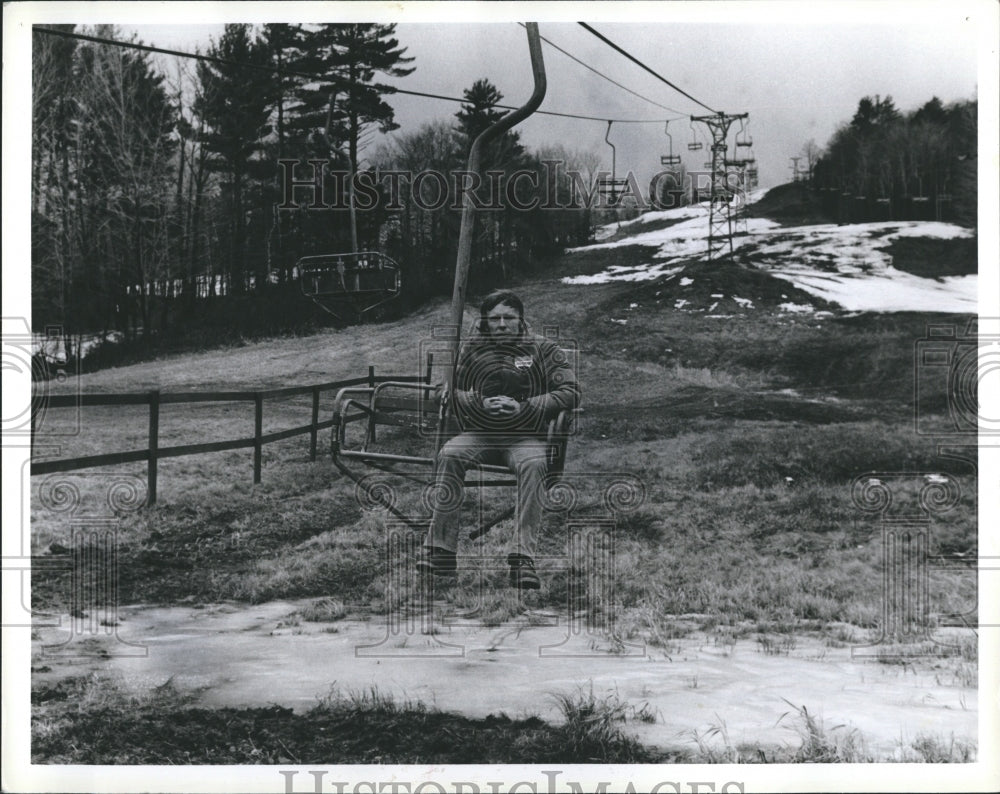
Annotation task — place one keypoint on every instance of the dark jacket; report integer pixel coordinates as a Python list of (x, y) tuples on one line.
[(534, 371)]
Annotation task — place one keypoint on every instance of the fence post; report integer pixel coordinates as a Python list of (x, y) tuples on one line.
[(258, 426), (430, 366), (154, 445), (315, 421), (371, 419)]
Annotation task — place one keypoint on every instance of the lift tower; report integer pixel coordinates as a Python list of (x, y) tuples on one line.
[(720, 213)]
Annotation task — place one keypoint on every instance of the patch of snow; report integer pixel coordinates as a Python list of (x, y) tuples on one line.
[(633, 305), (797, 308), (712, 307), (746, 303), (610, 229), (720, 295), (847, 265), (650, 272), (53, 348), (888, 290), (686, 282), (620, 322), (720, 316), (934, 229), (680, 304), (689, 235)]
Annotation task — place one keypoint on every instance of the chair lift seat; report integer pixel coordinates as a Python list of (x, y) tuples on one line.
[(417, 407)]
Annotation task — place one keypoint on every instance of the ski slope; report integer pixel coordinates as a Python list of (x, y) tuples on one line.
[(848, 265)]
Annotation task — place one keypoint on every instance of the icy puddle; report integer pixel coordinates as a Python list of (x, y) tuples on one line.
[(250, 656)]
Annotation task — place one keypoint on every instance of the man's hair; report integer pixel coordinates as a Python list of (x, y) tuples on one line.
[(493, 300)]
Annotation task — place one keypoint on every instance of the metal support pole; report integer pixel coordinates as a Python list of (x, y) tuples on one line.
[(720, 228), (614, 152), (475, 154)]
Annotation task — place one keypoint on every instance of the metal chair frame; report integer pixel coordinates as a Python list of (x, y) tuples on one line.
[(427, 415)]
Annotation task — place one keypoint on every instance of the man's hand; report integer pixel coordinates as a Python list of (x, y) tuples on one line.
[(501, 406)]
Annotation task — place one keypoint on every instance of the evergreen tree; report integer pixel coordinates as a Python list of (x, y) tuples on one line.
[(334, 112), (364, 51), (347, 58), (284, 43), (874, 114), (480, 111), (236, 103), (918, 164), (501, 238)]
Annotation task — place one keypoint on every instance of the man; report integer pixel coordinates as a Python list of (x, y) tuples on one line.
[(508, 385)]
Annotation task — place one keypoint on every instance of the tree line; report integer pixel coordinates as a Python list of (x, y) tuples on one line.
[(160, 207), (889, 165)]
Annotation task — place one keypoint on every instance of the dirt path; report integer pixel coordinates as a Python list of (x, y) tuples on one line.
[(249, 656)]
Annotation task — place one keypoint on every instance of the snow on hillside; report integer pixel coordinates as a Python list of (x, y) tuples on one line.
[(847, 265), (611, 229)]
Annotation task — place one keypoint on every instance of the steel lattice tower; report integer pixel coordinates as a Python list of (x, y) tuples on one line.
[(720, 213)]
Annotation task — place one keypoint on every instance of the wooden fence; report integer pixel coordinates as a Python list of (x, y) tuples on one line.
[(155, 398)]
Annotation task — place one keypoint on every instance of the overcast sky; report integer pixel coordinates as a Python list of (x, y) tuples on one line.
[(798, 69)]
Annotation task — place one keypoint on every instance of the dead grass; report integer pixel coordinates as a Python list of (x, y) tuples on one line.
[(745, 433), (97, 720), (100, 719)]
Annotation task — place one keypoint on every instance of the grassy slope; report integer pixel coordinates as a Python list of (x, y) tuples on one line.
[(746, 432)]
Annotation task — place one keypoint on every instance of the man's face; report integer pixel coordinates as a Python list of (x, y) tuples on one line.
[(503, 321)]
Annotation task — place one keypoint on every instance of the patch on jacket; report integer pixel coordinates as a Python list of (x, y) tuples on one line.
[(523, 362)]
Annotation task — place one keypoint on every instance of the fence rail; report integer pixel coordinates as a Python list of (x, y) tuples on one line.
[(154, 399)]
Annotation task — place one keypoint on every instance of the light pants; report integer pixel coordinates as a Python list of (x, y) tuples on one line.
[(525, 455)]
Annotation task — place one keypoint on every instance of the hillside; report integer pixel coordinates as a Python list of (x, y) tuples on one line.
[(799, 267), (751, 400)]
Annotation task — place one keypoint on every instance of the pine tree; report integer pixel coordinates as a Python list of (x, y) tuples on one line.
[(498, 235), (285, 46), (236, 102), (284, 43), (479, 111), (365, 50)]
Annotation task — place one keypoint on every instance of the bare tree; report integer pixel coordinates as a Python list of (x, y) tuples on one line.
[(811, 154)]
